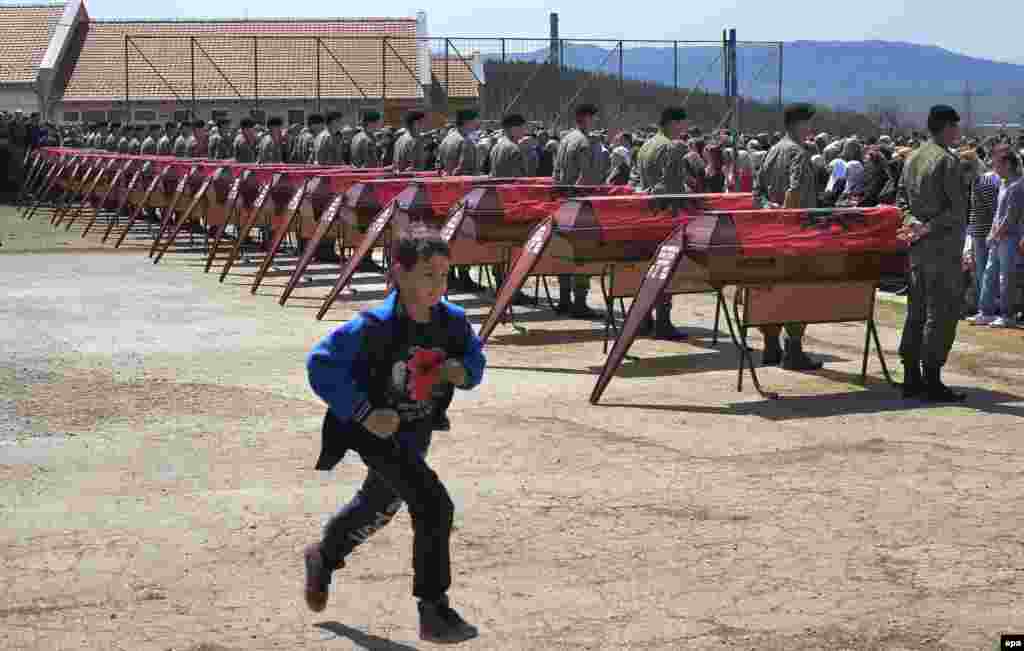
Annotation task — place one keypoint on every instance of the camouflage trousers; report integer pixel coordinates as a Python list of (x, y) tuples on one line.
[(934, 301)]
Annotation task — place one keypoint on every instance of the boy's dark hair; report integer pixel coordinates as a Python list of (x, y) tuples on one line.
[(418, 242)]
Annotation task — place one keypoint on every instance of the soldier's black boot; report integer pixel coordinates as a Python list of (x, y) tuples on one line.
[(772, 355), (580, 309), (935, 390), (325, 252), (440, 624), (913, 384), (795, 359), (663, 328), (564, 295)]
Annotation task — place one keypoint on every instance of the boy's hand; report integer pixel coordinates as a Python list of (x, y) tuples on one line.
[(382, 422), (454, 372)]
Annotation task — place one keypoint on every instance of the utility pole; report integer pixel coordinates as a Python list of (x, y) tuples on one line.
[(968, 105)]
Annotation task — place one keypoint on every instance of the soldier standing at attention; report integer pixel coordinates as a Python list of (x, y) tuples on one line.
[(575, 165), (245, 142), (303, 152), (271, 145), (935, 209), (197, 143), (148, 146), (135, 142), (165, 146), (124, 143), (660, 170), (507, 159), (325, 150), (457, 151), (364, 145), (787, 180), (181, 142), (457, 155), (409, 148), (110, 144)]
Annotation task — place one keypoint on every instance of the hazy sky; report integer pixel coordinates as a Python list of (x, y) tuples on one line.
[(916, 21)]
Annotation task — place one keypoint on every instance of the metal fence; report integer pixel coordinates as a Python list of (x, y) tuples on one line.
[(540, 77)]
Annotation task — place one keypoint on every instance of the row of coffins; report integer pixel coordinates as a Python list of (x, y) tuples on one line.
[(786, 265)]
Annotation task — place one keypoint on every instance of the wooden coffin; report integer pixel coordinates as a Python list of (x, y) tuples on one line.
[(628, 228), (771, 246)]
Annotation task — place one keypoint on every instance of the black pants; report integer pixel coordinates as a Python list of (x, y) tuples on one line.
[(398, 472)]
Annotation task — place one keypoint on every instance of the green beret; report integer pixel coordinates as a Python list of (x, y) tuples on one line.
[(586, 109), (466, 115), (512, 120), (371, 116), (800, 112), (943, 113), (275, 122), (672, 114), (412, 117)]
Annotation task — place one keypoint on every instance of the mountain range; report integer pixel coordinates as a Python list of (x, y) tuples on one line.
[(902, 78)]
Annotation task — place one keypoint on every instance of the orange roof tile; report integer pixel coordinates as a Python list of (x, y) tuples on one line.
[(229, 62), (461, 82), (25, 32)]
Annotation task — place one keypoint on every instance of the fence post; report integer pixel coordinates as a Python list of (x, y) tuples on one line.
[(383, 72), (317, 74), (622, 86), (126, 106), (504, 80), (256, 70), (192, 59), (675, 66), (447, 81), (780, 76)]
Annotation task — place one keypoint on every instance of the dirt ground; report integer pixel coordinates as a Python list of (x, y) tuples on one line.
[(157, 438)]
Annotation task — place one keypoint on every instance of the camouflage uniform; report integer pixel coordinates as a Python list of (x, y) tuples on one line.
[(531, 155), (164, 146), (243, 150), (124, 146), (269, 150), (409, 153), (659, 168), (215, 149), (303, 150), (148, 146), (364, 150), (181, 146), (931, 192), (457, 154), (507, 159), (325, 149), (111, 142), (575, 165)]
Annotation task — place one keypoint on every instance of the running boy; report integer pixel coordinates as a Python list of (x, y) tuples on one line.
[(387, 377)]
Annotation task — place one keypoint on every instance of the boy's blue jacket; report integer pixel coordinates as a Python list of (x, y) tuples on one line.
[(343, 365)]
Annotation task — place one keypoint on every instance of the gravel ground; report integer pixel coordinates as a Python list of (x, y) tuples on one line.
[(157, 438)]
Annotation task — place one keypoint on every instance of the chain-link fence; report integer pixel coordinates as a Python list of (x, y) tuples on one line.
[(541, 78)]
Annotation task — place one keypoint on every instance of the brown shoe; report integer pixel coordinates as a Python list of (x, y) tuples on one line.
[(318, 579)]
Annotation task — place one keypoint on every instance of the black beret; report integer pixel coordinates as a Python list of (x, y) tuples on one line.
[(275, 122), (466, 115), (672, 114), (115, 125), (513, 120), (943, 113), (371, 116), (198, 124), (171, 125), (154, 127), (586, 109), (800, 112), (224, 122), (332, 116), (246, 123), (315, 118), (414, 116)]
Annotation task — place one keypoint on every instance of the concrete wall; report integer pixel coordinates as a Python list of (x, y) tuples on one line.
[(24, 99)]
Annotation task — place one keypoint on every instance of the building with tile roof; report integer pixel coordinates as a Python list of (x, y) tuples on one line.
[(26, 33), (156, 70)]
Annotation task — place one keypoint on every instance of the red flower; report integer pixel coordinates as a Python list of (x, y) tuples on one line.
[(424, 372)]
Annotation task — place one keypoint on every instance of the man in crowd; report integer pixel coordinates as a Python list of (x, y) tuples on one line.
[(409, 155), (303, 151), (181, 147), (148, 146), (575, 165), (245, 142), (787, 180), (165, 145), (364, 143), (325, 146), (457, 155), (271, 146)]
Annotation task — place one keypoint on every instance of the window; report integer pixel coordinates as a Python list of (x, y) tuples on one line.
[(145, 116), (182, 115), (94, 116), (258, 115), (72, 116), (297, 116)]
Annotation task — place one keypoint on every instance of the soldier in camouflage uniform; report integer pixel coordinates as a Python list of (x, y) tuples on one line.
[(124, 143), (409, 154), (271, 145), (325, 149), (457, 157), (364, 143), (148, 146), (303, 151), (507, 159), (180, 149), (575, 165), (165, 145), (660, 170), (198, 143), (110, 144), (932, 195), (787, 180), (245, 142)]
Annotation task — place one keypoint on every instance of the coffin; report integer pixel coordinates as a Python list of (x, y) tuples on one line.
[(432, 200), (769, 246), (629, 228), (507, 213)]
